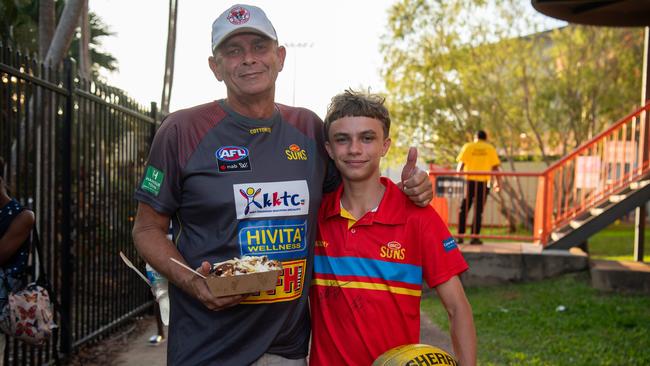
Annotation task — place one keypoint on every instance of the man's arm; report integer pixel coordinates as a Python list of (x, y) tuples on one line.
[(415, 182), (463, 334), (16, 235), (150, 237), (497, 179)]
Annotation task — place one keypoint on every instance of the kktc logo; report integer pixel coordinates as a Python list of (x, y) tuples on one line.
[(271, 199), (275, 199)]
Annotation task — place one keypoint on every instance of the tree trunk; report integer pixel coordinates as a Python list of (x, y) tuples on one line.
[(84, 52), (64, 32), (169, 58), (46, 20)]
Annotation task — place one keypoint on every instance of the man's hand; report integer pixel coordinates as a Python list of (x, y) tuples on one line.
[(198, 288), (415, 182)]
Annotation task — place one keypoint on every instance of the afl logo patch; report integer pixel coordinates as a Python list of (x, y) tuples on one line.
[(238, 15), (233, 159)]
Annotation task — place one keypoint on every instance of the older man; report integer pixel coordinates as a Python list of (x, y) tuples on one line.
[(226, 173)]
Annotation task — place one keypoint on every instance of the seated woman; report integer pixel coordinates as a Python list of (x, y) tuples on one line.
[(16, 223)]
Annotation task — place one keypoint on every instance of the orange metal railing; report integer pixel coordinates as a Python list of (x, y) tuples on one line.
[(590, 174), (530, 206), (508, 213)]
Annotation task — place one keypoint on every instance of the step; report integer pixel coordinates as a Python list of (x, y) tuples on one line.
[(620, 276), (616, 198), (639, 184), (596, 211), (576, 223), (556, 235)]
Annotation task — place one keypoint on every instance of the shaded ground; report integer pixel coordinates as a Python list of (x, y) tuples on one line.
[(130, 346), (112, 350)]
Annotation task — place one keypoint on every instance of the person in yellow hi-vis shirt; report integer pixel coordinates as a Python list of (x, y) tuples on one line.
[(478, 155)]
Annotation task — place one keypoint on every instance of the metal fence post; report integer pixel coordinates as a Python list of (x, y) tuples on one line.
[(154, 125), (66, 212)]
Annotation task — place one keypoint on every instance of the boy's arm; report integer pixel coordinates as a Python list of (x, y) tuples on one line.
[(463, 334), (497, 179)]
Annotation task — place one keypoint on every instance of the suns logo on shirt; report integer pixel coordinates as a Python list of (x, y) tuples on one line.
[(294, 152), (392, 250)]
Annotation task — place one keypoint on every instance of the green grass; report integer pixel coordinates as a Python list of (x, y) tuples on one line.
[(616, 242), (518, 324)]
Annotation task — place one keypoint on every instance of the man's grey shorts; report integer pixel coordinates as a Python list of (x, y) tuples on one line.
[(274, 360)]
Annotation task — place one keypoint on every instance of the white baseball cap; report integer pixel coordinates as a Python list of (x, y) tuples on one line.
[(241, 19)]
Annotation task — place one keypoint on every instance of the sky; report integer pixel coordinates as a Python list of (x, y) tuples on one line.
[(340, 48)]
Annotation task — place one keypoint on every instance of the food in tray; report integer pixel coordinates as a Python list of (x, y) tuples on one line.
[(245, 265)]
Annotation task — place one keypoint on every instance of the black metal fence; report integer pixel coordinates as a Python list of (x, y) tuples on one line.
[(74, 152)]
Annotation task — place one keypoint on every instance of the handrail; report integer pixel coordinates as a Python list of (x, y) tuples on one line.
[(586, 177), (612, 159), (597, 138)]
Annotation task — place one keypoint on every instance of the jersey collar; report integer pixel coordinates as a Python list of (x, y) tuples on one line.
[(391, 210)]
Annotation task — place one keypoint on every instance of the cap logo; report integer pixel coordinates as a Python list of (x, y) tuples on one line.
[(238, 15)]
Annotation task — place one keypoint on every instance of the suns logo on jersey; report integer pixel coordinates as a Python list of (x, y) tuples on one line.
[(294, 152), (392, 250)]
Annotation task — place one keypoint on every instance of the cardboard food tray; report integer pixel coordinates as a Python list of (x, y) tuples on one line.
[(243, 284)]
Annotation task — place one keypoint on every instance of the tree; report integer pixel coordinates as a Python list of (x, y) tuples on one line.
[(84, 42), (448, 73), (452, 67), (30, 24), (168, 78)]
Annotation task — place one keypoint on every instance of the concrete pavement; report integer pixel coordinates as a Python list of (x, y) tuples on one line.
[(139, 353)]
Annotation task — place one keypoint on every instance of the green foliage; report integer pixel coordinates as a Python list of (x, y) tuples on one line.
[(18, 22), (616, 242), (19, 25), (520, 324), (452, 67)]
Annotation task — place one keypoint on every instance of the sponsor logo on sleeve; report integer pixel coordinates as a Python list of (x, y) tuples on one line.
[(233, 159), (449, 244), (253, 200), (277, 239), (392, 250), (294, 152), (153, 180), (289, 286)]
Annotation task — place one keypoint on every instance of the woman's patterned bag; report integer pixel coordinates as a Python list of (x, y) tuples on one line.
[(30, 317), (28, 314)]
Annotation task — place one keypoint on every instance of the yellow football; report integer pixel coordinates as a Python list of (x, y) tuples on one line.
[(415, 355)]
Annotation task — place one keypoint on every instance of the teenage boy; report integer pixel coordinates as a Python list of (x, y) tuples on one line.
[(374, 249)]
